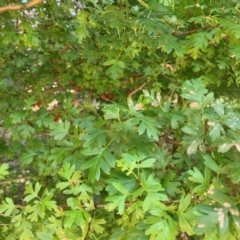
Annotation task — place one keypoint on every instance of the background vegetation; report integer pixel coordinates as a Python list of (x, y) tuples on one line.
[(119, 120)]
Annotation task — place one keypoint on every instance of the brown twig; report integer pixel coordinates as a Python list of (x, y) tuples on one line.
[(136, 90), (184, 33), (16, 7)]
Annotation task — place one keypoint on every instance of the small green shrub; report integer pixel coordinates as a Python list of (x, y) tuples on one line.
[(151, 169)]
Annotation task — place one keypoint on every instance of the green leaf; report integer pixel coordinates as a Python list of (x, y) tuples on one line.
[(94, 137), (120, 64), (211, 217), (70, 55), (84, 191), (195, 53), (153, 199), (128, 182), (161, 228), (192, 149), (49, 204), (104, 161), (234, 172), (4, 170), (216, 130), (116, 202), (82, 31), (43, 120), (218, 107), (109, 62), (235, 216), (232, 120), (27, 157), (148, 163), (172, 43), (147, 124), (234, 50), (184, 221), (209, 162), (73, 217), (185, 224), (116, 68), (44, 235), (207, 221), (129, 162), (7, 207), (33, 193), (184, 203), (67, 171), (59, 130), (200, 39), (143, 3), (62, 185), (111, 111), (220, 197), (92, 151), (142, 143), (120, 188), (26, 234), (196, 175), (170, 186), (176, 118), (167, 2), (190, 131), (96, 225), (194, 90), (225, 147), (26, 130), (151, 184), (18, 116)]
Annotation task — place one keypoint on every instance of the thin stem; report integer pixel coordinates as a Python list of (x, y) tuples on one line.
[(149, 14)]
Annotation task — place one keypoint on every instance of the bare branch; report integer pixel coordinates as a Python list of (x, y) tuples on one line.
[(13, 7), (130, 101)]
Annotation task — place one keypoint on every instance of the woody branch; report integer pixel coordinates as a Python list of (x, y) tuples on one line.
[(16, 7)]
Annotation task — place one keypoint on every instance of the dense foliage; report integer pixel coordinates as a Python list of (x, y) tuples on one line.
[(113, 124)]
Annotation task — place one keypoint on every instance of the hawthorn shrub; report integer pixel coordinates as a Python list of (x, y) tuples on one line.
[(154, 168), (102, 137)]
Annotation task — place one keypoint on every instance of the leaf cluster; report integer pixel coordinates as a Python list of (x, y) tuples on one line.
[(151, 169), (102, 136)]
